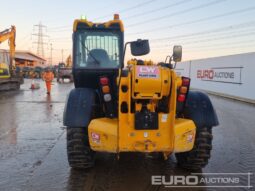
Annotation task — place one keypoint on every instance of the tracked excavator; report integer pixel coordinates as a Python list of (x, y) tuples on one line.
[(9, 80)]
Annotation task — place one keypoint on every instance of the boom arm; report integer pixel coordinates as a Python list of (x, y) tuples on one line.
[(9, 34)]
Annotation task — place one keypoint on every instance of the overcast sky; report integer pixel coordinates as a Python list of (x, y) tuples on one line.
[(204, 28)]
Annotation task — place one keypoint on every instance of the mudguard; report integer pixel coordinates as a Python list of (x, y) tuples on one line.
[(78, 108), (199, 108)]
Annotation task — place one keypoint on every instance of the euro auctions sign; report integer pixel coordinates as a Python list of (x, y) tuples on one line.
[(221, 74)]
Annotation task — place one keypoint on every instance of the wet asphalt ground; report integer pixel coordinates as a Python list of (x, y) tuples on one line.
[(33, 148)]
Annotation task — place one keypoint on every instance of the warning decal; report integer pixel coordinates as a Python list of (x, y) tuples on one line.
[(95, 137)]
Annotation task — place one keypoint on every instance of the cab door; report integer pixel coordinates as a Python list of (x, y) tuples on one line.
[(4, 64)]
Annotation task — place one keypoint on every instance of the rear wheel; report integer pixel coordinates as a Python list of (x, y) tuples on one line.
[(198, 157), (79, 152)]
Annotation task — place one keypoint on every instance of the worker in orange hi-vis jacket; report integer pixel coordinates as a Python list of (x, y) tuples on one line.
[(48, 76)]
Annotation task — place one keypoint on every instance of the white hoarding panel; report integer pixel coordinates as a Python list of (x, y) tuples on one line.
[(229, 75), (183, 69)]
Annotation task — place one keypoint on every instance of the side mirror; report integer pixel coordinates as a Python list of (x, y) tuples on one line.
[(177, 53), (140, 47)]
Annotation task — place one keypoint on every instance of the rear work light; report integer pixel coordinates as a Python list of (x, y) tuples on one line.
[(116, 16), (104, 81)]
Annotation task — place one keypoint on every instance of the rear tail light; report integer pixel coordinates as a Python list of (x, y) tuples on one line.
[(181, 98), (105, 92), (104, 81), (185, 81), (105, 87), (183, 90)]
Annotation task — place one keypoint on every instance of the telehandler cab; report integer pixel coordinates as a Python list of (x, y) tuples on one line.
[(141, 107)]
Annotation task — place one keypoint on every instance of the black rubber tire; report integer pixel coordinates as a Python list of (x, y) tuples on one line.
[(198, 157), (79, 153)]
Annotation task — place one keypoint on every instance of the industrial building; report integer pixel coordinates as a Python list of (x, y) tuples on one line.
[(28, 59), (25, 58)]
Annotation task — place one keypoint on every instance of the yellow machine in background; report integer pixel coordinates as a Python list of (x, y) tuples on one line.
[(69, 61), (140, 106), (8, 79)]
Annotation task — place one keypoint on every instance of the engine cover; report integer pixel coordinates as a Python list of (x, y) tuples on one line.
[(150, 82)]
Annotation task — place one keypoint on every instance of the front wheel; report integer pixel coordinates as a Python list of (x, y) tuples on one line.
[(79, 153), (198, 157)]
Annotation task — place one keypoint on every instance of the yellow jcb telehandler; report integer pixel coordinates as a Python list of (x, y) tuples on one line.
[(141, 107)]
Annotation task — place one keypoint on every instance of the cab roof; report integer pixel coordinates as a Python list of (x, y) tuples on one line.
[(116, 23)]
